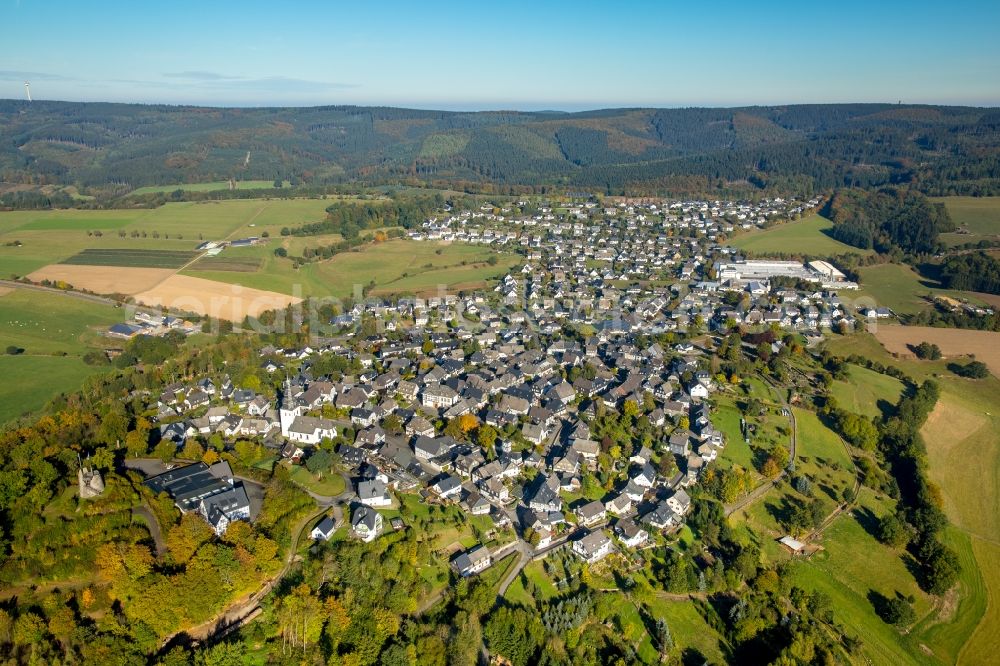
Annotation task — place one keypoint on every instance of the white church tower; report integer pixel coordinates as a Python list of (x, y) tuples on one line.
[(289, 410)]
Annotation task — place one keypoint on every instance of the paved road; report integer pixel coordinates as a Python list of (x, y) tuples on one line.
[(154, 528), (65, 292), (525, 551)]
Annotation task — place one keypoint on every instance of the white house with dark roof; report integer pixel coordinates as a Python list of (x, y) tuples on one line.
[(593, 547), (366, 523), (473, 561), (324, 529), (374, 493)]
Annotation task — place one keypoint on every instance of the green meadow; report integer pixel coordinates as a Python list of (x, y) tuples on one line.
[(852, 579), (396, 266), (805, 236), (901, 288), (209, 187), (30, 382), (980, 216), (55, 331), (864, 390)]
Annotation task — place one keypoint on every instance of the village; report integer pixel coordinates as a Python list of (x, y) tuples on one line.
[(492, 400)]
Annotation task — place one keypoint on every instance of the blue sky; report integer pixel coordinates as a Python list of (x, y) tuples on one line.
[(509, 55)]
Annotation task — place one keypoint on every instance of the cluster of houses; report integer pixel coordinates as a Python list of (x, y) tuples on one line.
[(510, 364), (523, 222)]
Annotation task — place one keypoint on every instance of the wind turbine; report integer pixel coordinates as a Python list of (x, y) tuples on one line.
[(27, 89)]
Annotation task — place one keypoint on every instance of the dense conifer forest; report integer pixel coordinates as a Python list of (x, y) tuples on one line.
[(110, 149)]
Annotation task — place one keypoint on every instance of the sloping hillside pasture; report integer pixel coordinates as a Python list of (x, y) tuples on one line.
[(30, 382), (850, 579), (980, 216), (47, 323), (805, 236), (865, 390), (43, 325), (962, 437), (902, 289)]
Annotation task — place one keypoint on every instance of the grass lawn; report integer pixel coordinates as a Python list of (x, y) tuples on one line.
[(331, 484), (47, 323), (805, 236), (31, 381), (821, 456), (900, 288), (865, 390), (979, 215), (44, 324), (689, 629), (544, 587), (726, 417)]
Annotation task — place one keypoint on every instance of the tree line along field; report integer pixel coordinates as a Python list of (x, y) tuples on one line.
[(866, 392), (47, 326), (962, 437)]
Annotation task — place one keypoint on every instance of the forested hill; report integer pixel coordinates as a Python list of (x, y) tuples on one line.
[(937, 150)]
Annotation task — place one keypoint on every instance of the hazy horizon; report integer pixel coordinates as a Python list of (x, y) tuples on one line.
[(525, 56), (527, 108)]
